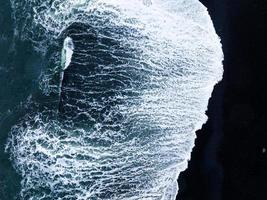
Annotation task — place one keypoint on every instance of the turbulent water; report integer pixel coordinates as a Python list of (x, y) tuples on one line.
[(124, 87)]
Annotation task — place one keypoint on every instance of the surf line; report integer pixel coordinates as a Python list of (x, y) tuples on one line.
[(66, 55)]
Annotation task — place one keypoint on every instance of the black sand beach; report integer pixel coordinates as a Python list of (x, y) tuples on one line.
[(229, 160)]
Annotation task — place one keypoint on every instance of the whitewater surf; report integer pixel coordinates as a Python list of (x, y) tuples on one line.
[(134, 78)]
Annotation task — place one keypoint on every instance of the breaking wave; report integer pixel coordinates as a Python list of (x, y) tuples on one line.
[(133, 94)]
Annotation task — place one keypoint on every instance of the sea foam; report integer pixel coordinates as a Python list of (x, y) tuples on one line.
[(67, 52), (134, 93)]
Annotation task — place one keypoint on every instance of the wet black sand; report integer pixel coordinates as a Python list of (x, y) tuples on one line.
[(229, 160)]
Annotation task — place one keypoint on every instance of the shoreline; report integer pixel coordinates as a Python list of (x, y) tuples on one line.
[(203, 179), (229, 159)]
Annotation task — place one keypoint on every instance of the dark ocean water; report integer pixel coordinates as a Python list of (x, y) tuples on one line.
[(14, 89), (110, 131), (20, 69)]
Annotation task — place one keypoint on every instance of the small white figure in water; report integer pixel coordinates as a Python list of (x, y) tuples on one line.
[(66, 55), (263, 150), (67, 52)]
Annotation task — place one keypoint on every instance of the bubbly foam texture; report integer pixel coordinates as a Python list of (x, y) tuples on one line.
[(68, 48), (135, 92)]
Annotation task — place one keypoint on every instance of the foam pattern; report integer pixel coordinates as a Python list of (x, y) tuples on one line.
[(133, 95)]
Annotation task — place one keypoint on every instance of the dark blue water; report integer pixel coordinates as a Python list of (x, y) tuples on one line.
[(20, 69), (17, 81)]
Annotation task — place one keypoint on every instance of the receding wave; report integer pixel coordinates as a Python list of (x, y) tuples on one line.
[(136, 85)]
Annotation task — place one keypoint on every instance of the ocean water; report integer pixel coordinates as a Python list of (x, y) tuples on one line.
[(100, 99)]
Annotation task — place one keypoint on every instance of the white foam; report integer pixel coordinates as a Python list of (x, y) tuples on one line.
[(68, 48), (176, 44)]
